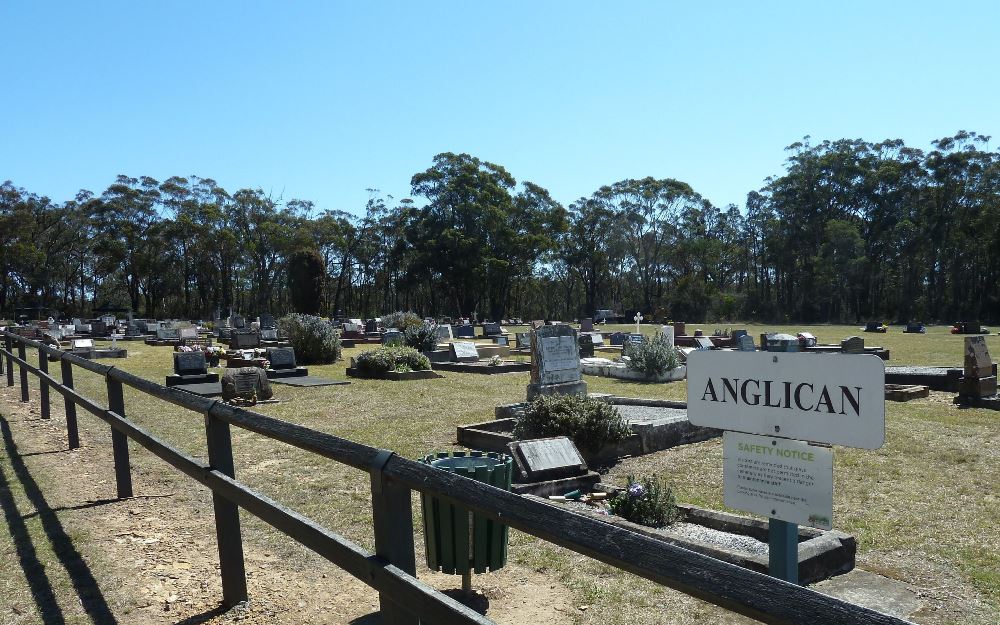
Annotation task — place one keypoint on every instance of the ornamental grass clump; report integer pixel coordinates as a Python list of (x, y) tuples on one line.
[(648, 501), (589, 423), (385, 359), (422, 338), (314, 340), (652, 358)]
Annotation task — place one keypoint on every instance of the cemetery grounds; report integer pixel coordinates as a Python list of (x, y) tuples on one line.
[(925, 508)]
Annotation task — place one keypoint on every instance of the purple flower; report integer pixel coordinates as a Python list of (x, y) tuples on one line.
[(636, 490)]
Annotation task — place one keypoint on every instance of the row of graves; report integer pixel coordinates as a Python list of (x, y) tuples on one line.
[(68, 337), (556, 471)]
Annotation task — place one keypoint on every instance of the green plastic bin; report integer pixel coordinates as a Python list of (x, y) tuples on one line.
[(458, 541)]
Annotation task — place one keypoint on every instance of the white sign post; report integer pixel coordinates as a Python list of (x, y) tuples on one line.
[(763, 399)]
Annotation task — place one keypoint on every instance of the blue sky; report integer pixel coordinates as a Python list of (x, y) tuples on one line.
[(322, 100)]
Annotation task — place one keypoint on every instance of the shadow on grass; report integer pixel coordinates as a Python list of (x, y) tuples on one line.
[(473, 600), (91, 597)]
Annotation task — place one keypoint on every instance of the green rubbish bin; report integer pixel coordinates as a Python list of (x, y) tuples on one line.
[(458, 541)]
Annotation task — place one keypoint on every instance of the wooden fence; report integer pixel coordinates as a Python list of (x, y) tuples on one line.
[(391, 570)]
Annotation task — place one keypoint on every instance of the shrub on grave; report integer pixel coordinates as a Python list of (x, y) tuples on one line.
[(648, 501), (402, 320), (314, 340), (589, 423), (422, 338), (652, 358), (385, 359)]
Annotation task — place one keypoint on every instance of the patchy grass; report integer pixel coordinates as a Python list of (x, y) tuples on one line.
[(924, 507)]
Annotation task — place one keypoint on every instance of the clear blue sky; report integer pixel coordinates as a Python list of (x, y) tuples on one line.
[(321, 100)]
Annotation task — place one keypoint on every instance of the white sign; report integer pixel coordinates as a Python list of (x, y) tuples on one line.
[(779, 478), (837, 399)]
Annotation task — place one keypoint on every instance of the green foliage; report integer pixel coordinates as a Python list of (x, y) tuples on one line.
[(383, 359), (653, 357), (590, 423), (402, 320), (422, 338), (306, 274), (648, 501), (314, 340)]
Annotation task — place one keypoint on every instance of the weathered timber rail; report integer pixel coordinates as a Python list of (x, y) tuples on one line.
[(391, 570)]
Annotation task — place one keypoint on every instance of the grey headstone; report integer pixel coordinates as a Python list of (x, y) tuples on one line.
[(281, 357), (500, 340), (783, 343), (745, 343), (548, 459), (443, 332), (463, 351), (269, 334), (168, 334), (244, 340), (618, 338), (243, 382), (978, 363), (187, 333), (703, 342), (190, 363), (557, 355), (239, 322), (853, 345), (83, 343), (736, 334)]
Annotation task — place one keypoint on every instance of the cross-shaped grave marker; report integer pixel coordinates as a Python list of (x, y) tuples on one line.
[(638, 319)]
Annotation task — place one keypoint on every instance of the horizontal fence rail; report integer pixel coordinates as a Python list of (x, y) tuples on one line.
[(392, 569)]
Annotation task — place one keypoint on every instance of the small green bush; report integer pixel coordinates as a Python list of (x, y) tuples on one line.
[(383, 359), (648, 502), (314, 340), (653, 357), (422, 338), (589, 423), (402, 320)]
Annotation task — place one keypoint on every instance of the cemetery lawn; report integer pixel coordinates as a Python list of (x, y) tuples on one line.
[(924, 508)]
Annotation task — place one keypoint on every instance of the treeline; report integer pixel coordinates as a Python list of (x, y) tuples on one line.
[(850, 231)]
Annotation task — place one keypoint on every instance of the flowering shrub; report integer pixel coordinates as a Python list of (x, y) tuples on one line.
[(422, 338), (653, 357), (402, 320), (647, 502), (495, 361), (590, 423), (314, 340), (383, 359)]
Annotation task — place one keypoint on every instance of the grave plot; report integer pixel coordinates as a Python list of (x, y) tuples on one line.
[(904, 392), (85, 348), (283, 370), (550, 466), (469, 357), (392, 363)]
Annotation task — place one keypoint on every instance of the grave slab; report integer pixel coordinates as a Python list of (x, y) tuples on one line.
[(547, 459)]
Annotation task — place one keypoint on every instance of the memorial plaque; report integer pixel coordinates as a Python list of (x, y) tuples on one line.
[(491, 329), (244, 340), (500, 340), (636, 339), (443, 332), (83, 343), (703, 342), (596, 339), (168, 334), (618, 338), (267, 321), (187, 333), (548, 459), (190, 363), (392, 337), (463, 351), (465, 332), (853, 345), (745, 344), (281, 357), (978, 363), (559, 359), (587, 325)]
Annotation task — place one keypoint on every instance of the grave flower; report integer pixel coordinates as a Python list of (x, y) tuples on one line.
[(636, 490)]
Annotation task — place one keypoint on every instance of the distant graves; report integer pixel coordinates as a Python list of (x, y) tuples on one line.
[(876, 326), (915, 328), (969, 327)]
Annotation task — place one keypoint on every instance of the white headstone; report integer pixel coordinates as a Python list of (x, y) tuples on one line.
[(668, 332)]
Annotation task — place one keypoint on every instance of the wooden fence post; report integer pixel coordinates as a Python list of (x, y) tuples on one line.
[(119, 442), (10, 363), (72, 432), (227, 515), (24, 372), (393, 520), (6, 345), (43, 387)]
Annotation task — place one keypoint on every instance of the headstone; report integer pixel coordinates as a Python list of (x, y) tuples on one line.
[(587, 325), (978, 363), (492, 329), (500, 340), (547, 459), (269, 334), (245, 382), (853, 345), (915, 328), (239, 322), (244, 340), (806, 339), (596, 339), (586, 346), (523, 340), (267, 321), (783, 343), (190, 363), (679, 328), (83, 343), (703, 343), (187, 333), (555, 362), (463, 351), (281, 357), (638, 319), (443, 332), (618, 338), (168, 334), (225, 334), (636, 339), (745, 343), (465, 332), (668, 332), (371, 326), (392, 337), (736, 334)]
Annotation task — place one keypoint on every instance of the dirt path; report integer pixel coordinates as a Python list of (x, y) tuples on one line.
[(153, 559)]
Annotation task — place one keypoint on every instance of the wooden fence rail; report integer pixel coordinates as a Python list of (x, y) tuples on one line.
[(391, 570)]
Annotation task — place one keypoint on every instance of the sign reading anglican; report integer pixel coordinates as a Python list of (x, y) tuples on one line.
[(827, 398)]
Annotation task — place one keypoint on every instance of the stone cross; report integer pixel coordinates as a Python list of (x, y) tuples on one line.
[(638, 320)]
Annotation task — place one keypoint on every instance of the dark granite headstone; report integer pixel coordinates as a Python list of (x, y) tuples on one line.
[(281, 357), (587, 325), (190, 363), (586, 346), (463, 351), (618, 338), (745, 343), (547, 459), (736, 334), (267, 321), (636, 339), (371, 326), (492, 329), (239, 322), (853, 345), (244, 340), (465, 332)]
